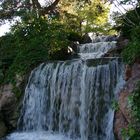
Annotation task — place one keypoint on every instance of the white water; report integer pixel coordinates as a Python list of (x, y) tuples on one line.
[(71, 100), (95, 50), (37, 136)]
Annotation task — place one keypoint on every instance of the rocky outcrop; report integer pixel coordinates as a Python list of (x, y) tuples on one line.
[(8, 110), (123, 116), (74, 46), (111, 38), (121, 44), (86, 39)]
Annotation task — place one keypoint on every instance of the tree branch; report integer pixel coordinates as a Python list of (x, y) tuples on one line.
[(36, 4), (45, 10)]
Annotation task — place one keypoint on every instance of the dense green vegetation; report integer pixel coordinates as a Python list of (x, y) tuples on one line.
[(132, 52), (29, 44), (132, 32), (135, 104), (129, 27), (44, 32)]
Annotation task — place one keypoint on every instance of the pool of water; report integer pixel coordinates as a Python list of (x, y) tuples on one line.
[(37, 136)]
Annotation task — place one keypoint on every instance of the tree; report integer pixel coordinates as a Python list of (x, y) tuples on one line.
[(13, 8), (85, 16), (79, 15), (94, 16), (45, 31), (128, 25)]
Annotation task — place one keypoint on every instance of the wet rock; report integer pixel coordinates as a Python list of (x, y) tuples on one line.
[(112, 53), (120, 122), (128, 72), (111, 38), (86, 39), (122, 42), (3, 128), (74, 46), (123, 116), (6, 89), (99, 61), (115, 52), (8, 106)]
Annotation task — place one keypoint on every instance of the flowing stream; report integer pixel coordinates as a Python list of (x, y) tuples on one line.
[(71, 100)]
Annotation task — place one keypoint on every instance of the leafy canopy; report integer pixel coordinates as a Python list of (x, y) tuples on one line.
[(30, 43), (86, 16)]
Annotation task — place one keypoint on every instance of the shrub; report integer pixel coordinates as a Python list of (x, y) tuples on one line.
[(28, 44), (132, 51)]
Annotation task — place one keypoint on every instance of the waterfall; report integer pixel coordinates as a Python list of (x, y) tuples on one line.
[(71, 100), (95, 50)]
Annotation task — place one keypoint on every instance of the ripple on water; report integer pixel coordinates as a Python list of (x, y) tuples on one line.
[(37, 136)]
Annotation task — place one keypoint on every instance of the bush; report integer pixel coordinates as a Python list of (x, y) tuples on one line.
[(28, 44), (132, 51), (130, 133), (74, 36)]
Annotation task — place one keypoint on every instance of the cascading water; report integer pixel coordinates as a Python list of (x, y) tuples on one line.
[(71, 100), (95, 50)]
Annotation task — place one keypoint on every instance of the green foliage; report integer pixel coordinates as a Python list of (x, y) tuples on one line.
[(94, 17), (115, 105), (134, 102), (30, 43), (132, 132), (130, 28), (84, 17), (7, 54), (71, 22), (17, 91), (74, 36), (132, 51), (126, 23)]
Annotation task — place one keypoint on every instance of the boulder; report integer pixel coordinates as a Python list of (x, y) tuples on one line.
[(122, 42), (74, 46), (86, 39), (111, 38)]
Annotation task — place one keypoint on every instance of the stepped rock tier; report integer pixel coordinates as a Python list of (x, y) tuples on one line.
[(71, 100)]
